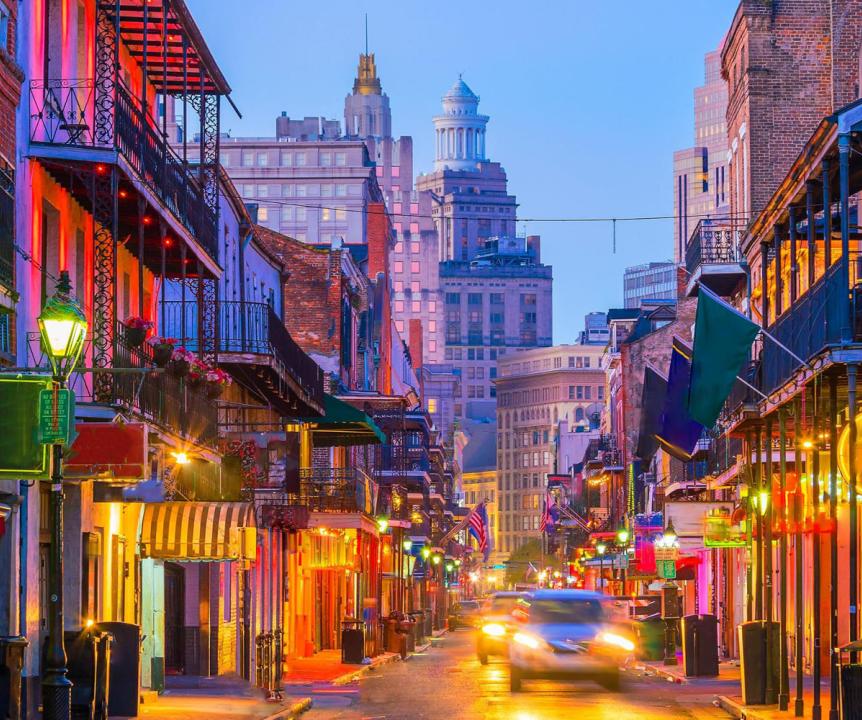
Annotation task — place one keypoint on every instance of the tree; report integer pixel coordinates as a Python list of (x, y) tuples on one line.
[(518, 564)]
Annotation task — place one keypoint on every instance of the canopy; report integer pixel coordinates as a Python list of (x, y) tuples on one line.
[(343, 425), (198, 531)]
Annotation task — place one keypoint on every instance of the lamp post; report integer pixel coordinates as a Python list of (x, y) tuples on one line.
[(670, 596), (623, 543), (600, 549), (63, 326)]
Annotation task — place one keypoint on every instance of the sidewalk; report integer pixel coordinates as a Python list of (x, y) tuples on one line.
[(326, 667), (224, 698)]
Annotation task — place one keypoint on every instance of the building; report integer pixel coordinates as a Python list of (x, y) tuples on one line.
[(700, 177), (471, 200), (595, 330), (786, 65), (536, 389), (495, 304), (653, 282), (479, 472), (441, 386)]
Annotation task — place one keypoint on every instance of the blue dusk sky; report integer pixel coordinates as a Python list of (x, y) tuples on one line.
[(587, 102)]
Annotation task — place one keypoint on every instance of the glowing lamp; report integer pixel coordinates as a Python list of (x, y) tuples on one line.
[(669, 535), (622, 536), (601, 548), (383, 524), (436, 560), (181, 458), (426, 552), (407, 545), (63, 327), (450, 567)]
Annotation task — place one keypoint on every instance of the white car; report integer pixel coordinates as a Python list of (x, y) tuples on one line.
[(565, 634)]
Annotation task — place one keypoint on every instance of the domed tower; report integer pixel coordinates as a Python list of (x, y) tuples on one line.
[(460, 130)]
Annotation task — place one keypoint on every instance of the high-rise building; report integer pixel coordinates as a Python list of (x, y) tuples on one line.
[(536, 389), (595, 330), (652, 283), (471, 200), (700, 182), (495, 304)]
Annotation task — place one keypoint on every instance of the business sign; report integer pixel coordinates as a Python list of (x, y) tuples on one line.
[(107, 451), (21, 453)]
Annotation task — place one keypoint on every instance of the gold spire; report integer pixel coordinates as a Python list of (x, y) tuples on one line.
[(367, 82)]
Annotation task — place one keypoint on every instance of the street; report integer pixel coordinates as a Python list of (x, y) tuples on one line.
[(448, 683)]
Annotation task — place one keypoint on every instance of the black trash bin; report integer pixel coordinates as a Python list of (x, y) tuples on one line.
[(851, 692), (11, 664), (103, 673), (650, 633), (124, 667), (700, 645), (81, 664), (752, 658), (352, 642)]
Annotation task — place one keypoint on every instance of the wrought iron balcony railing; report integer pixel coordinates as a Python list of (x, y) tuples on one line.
[(250, 328), (7, 227), (65, 112), (329, 489), (712, 243), (158, 397)]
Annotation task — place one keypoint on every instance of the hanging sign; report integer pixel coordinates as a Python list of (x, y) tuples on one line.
[(666, 569)]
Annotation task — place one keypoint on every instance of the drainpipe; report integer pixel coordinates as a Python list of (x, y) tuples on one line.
[(854, 544)]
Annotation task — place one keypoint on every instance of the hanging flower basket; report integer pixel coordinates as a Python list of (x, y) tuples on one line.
[(136, 330), (198, 373), (214, 391), (217, 380), (163, 350), (181, 362)]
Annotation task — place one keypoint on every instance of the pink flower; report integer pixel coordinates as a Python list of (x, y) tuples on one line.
[(139, 323)]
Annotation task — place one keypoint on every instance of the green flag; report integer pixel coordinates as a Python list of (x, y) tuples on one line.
[(722, 342)]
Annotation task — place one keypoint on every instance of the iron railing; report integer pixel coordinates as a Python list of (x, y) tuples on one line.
[(246, 327), (331, 489), (712, 243), (7, 227), (159, 397), (63, 112)]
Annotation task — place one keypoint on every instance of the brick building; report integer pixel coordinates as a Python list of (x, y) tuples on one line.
[(787, 64), (536, 389), (11, 77)]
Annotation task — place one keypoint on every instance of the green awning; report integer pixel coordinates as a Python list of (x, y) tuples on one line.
[(343, 425)]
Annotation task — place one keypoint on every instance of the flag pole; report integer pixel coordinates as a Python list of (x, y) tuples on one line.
[(786, 349)]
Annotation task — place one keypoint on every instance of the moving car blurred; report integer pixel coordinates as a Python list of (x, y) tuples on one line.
[(496, 625), (565, 634), (465, 614)]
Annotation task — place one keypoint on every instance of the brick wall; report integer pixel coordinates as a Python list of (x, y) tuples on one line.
[(783, 77), (379, 234)]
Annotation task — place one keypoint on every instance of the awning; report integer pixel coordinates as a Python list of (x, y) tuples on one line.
[(343, 425), (199, 531)]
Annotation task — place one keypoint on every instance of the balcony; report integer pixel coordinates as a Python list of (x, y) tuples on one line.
[(335, 490), (255, 347), (713, 258), (156, 397), (7, 228), (67, 124)]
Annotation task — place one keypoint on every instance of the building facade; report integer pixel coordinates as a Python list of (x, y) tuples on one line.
[(536, 389), (650, 283), (496, 304)]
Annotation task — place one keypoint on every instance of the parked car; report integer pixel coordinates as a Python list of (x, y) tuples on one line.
[(496, 626), (566, 634), (465, 614)]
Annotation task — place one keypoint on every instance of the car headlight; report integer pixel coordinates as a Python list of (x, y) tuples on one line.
[(494, 629), (530, 641), (618, 641)]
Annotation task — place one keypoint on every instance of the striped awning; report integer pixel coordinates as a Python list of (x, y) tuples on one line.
[(199, 531)]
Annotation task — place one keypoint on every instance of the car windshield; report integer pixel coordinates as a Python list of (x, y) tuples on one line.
[(569, 612), (503, 605), (469, 606)]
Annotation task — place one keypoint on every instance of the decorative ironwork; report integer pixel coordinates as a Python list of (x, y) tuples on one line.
[(209, 330), (712, 244), (107, 64), (104, 211)]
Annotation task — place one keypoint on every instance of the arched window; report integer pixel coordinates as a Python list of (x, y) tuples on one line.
[(579, 414)]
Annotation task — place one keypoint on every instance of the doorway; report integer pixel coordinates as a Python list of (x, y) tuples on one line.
[(174, 619)]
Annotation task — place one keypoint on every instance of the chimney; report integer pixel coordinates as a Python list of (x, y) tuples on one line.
[(414, 344), (378, 234)]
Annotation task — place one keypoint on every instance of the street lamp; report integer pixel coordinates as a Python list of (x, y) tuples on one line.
[(600, 549), (63, 327), (623, 542)]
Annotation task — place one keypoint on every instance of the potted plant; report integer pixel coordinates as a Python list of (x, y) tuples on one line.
[(136, 330), (181, 362), (198, 370), (163, 350), (217, 380)]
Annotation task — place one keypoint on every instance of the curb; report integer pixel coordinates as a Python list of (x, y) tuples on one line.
[(295, 710), (669, 675), (741, 712), (348, 678)]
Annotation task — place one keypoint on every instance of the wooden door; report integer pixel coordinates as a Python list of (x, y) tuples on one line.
[(174, 619)]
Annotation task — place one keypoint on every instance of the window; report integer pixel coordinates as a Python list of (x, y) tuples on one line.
[(474, 298), (325, 214), (432, 306), (340, 159), (325, 159), (302, 213), (414, 228), (261, 159), (415, 286), (601, 394), (415, 306), (287, 190), (262, 214), (300, 159), (432, 405), (399, 306), (580, 392), (414, 246), (399, 326), (398, 266), (453, 298), (247, 158), (325, 190), (340, 214), (301, 190), (286, 159), (414, 266), (571, 392), (340, 189), (263, 191)]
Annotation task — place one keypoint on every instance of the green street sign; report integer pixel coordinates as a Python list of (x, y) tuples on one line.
[(666, 569), (56, 410)]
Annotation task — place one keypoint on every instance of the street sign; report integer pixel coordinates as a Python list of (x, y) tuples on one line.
[(56, 408), (666, 569), (666, 553)]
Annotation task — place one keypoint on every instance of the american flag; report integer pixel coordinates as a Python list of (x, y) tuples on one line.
[(477, 523), (548, 519)]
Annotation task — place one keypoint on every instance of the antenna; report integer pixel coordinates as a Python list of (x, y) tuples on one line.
[(366, 33)]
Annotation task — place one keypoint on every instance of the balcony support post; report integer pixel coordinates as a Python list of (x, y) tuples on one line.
[(778, 284), (794, 267), (106, 65), (166, 8), (185, 107), (764, 285), (809, 219), (852, 373), (163, 231), (199, 301), (847, 330), (827, 215), (145, 66), (816, 560), (833, 545), (104, 212), (758, 520), (766, 487), (183, 293), (798, 549), (142, 209), (784, 677)]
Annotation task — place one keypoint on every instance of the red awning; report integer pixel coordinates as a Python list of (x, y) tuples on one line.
[(108, 451)]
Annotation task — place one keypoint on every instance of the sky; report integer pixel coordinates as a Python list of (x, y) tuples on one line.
[(587, 102)]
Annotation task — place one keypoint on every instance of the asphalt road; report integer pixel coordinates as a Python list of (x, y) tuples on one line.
[(448, 683)]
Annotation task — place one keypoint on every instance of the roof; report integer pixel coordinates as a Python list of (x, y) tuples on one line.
[(343, 425), (461, 90), (623, 314)]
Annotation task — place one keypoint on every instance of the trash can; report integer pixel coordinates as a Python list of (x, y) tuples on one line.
[(752, 658), (851, 692), (11, 664), (650, 635), (104, 640), (124, 667), (406, 626), (352, 642), (429, 629), (700, 645), (81, 665)]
